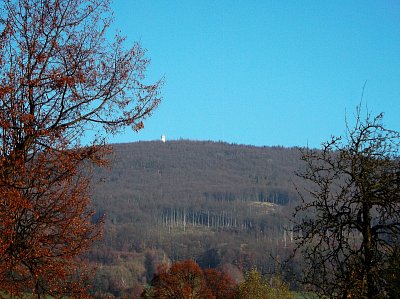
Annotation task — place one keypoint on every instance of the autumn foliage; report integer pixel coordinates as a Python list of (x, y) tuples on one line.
[(46, 223), (184, 280), (255, 286), (187, 280), (220, 283), (59, 78)]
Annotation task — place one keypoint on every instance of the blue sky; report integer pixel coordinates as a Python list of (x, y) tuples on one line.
[(265, 72)]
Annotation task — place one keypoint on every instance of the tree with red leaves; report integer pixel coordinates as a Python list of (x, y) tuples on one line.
[(220, 283), (187, 280), (59, 79)]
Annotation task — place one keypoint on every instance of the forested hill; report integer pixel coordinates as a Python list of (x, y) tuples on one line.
[(192, 170), (217, 203)]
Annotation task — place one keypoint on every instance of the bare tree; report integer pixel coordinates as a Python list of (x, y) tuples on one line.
[(349, 218)]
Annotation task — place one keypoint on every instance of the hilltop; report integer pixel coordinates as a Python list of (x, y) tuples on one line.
[(213, 170)]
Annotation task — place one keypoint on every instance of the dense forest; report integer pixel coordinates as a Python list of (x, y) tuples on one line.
[(225, 206)]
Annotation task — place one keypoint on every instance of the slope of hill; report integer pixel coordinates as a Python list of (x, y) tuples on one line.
[(213, 202)]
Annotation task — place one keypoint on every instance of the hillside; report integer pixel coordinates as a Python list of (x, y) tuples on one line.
[(220, 204)]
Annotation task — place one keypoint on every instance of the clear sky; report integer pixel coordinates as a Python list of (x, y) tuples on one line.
[(265, 72)]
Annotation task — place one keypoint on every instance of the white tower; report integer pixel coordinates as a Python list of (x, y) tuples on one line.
[(163, 138)]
